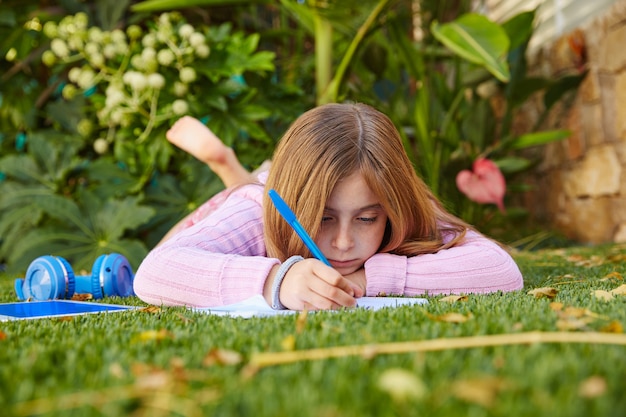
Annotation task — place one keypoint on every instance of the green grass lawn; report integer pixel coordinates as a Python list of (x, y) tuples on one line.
[(176, 362)]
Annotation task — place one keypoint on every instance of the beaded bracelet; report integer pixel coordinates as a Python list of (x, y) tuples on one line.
[(278, 279)]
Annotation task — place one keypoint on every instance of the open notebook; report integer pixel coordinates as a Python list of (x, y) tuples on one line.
[(257, 306)]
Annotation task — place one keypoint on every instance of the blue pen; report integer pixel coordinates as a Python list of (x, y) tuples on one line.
[(290, 217)]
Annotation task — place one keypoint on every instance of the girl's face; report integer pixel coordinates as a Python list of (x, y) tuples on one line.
[(353, 225)]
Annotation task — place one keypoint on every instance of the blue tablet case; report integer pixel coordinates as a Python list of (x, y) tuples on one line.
[(54, 308)]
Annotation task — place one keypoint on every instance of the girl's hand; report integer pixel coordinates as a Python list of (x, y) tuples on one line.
[(312, 285), (358, 281)]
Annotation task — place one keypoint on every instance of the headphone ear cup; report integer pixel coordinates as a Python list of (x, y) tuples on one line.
[(96, 274), (48, 277), (71, 278), (118, 276)]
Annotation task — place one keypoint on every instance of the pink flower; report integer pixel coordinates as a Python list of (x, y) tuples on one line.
[(485, 184)]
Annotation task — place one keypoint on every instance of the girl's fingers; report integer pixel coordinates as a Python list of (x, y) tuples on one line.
[(331, 295), (311, 284)]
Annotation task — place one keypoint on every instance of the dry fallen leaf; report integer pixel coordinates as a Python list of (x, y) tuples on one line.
[(161, 334), (3, 335), (401, 385), (222, 357), (592, 387), (603, 295), (453, 298), (482, 391), (151, 309), (576, 318), (613, 276), (613, 327), (544, 292), (82, 297), (116, 370), (573, 323), (288, 343), (301, 321), (156, 380), (452, 317), (576, 312), (556, 306), (621, 290)]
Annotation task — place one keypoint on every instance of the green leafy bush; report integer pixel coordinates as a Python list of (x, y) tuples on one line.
[(96, 173)]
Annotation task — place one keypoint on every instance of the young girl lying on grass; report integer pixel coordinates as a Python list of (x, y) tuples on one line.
[(344, 172)]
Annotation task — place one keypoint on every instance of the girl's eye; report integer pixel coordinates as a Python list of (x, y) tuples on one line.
[(367, 219), (326, 219)]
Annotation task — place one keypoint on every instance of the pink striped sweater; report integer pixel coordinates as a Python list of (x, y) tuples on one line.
[(219, 258)]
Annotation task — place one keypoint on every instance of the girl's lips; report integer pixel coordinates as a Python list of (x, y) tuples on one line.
[(343, 264)]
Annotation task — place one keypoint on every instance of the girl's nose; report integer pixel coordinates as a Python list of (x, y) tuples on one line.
[(343, 239)]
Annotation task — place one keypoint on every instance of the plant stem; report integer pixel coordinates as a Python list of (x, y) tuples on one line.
[(265, 359)]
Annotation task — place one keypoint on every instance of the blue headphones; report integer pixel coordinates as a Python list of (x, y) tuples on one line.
[(51, 277)]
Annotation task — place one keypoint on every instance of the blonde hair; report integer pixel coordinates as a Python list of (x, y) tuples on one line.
[(333, 141)]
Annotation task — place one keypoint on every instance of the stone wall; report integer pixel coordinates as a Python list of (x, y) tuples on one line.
[(580, 185)]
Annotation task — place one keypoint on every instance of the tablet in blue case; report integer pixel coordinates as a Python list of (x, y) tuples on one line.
[(54, 308)]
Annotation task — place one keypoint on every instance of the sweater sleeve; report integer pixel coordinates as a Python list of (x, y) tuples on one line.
[(479, 265), (219, 260)]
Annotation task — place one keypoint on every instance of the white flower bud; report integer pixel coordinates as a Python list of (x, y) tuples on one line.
[(97, 60), (149, 40), (94, 34), (164, 19), (185, 31), (180, 107), (114, 98), (121, 48), (187, 75), (59, 47), (74, 74), (156, 81), (84, 127), (86, 78), (69, 92), (118, 35), (148, 54), (109, 51), (180, 89), (136, 80), (81, 20), (48, 58), (134, 32), (137, 62), (151, 66), (101, 146), (197, 39), (67, 29), (50, 29), (92, 48), (164, 33), (116, 116), (202, 51), (75, 42), (165, 57)]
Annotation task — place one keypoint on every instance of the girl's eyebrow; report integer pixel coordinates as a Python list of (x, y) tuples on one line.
[(375, 206)]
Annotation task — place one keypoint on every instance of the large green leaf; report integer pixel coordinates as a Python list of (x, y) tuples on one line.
[(519, 28), (478, 40), (556, 91), (117, 216), (538, 138), (157, 5), (81, 254), (512, 165)]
